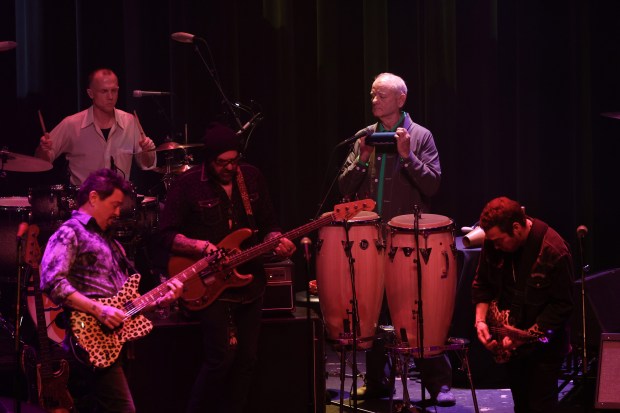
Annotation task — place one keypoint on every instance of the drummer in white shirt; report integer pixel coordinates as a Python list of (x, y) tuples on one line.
[(101, 136)]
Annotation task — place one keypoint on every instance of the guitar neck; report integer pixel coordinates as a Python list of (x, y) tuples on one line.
[(264, 247)]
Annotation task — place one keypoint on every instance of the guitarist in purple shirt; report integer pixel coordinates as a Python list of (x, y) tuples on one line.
[(523, 297), (81, 268)]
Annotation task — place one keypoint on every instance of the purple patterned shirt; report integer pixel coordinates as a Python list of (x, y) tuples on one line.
[(80, 257)]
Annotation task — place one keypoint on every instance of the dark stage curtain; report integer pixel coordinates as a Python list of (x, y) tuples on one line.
[(512, 91)]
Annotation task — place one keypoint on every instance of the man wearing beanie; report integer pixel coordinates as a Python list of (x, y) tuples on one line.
[(203, 206)]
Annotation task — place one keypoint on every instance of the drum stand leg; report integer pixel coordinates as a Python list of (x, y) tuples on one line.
[(400, 365), (463, 355), (343, 368)]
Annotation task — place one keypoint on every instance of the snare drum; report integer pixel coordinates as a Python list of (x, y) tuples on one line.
[(334, 280), (52, 205), (438, 267), (13, 211)]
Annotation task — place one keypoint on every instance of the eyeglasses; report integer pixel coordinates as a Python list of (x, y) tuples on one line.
[(225, 162)]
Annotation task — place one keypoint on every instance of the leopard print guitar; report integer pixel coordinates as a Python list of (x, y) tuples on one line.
[(102, 344)]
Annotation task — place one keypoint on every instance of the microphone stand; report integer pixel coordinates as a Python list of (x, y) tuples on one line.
[(212, 73), (416, 232), (333, 182), (354, 314), (584, 268), (310, 340)]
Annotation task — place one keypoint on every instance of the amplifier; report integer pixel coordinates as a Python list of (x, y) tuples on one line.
[(279, 294), (607, 396)]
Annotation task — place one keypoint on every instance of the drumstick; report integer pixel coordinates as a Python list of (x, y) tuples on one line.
[(42, 122), (139, 125)]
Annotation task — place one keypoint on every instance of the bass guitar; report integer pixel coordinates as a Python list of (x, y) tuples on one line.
[(104, 345), (199, 292), (52, 376), (499, 327)]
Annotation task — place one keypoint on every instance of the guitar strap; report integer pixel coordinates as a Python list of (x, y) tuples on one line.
[(527, 261), (246, 201)]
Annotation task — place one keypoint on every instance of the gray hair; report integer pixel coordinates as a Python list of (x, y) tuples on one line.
[(396, 82)]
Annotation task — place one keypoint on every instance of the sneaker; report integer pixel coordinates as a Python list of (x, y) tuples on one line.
[(370, 393), (445, 398)]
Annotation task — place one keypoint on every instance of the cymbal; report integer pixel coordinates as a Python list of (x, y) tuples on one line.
[(7, 45), (10, 161), (174, 169), (614, 115), (171, 146)]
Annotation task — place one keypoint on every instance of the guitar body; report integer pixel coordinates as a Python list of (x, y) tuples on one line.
[(51, 376), (102, 345), (53, 394), (204, 281), (199, 292), (500, 327)]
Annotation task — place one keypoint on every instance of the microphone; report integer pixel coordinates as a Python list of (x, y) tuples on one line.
[(183, 37), (249, 123), (21, 230), (306, 242), (582, 231), (363, 132), (141, 93), (112, 165)]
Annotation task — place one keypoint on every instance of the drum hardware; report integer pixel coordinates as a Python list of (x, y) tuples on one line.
[(7, 45), (410, 290), (349, 271), (11, 161), (401, 353), (172, 165), (613, 115)]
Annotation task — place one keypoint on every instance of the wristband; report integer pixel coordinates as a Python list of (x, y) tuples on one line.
[(479, 321)]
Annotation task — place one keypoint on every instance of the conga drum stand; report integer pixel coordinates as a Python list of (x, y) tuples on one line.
[(401, 355)]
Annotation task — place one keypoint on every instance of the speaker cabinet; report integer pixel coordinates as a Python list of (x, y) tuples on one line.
[(279, 291), (607, 395), (290, 374)]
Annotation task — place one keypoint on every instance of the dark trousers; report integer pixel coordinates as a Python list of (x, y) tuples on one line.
[(534, 382), (99, 390), (230, 341)]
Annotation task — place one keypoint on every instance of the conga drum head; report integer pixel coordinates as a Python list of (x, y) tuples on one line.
[(426, 221)]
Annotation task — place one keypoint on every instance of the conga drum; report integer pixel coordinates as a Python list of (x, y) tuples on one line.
[(334, 278), (438, 273)]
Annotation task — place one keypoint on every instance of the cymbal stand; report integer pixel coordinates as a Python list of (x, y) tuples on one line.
[(168, 174), (18, 319)]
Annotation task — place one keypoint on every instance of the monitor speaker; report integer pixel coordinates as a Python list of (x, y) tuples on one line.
[(607, 395)]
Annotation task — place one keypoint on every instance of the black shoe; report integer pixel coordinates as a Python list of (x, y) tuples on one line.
[(371, 393)]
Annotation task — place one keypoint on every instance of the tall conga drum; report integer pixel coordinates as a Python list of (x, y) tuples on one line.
[(334, 278), (438, 274)]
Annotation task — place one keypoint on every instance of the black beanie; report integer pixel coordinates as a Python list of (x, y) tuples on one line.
[(219, 139)]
